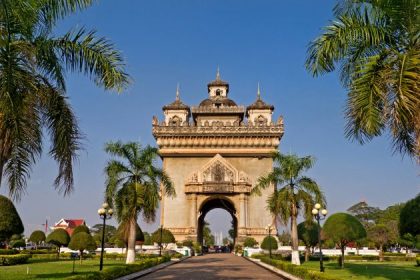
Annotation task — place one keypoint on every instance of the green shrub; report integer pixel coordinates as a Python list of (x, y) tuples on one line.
[(38, 251), (298, 271), (114, 272), (418, 261), (13, 259), (9, 251), (250, 242), (267, 241)]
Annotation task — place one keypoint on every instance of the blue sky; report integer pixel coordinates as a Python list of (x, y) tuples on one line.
[(166, 42)]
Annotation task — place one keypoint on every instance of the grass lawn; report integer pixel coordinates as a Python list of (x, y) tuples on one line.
[(46, 269), (370, 270)]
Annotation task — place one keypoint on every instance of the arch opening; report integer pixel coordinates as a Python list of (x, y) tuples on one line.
[(216, 202)]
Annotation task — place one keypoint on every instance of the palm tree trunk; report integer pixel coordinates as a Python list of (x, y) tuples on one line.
[(131, 248), (295, 240), (381, 253), (307, 252)]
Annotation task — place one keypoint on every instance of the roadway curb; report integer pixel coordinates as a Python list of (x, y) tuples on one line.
[(152, 269), (273, 269)]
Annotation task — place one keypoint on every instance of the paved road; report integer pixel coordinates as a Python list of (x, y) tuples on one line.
[(213, 266)]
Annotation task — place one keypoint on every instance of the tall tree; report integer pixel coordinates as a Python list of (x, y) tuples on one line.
[(376, 45), (410, 217), (133, 185), (308, 233), (364, 212), (293, 194), (33, 64), (379, 234)]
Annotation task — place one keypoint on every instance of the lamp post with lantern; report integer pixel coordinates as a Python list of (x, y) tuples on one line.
[(319, 214), (105, 213), (268, 228)]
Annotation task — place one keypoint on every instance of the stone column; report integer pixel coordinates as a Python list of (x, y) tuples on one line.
[(193, 215), (242, 207)]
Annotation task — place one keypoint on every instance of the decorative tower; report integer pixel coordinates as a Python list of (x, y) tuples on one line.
[(215, 160), (176, 113), (259, 113)]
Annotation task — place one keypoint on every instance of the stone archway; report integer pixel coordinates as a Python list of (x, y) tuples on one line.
[(213, 202)]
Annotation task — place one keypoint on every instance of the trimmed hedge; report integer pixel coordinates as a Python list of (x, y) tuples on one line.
[(418, 261), (13, 259), (110, 273), (44, 256), (9, 251), (296, 270), (39, 251)]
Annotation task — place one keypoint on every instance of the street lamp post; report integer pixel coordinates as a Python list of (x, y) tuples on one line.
[(269, 227), (104, 213), (316, 213)]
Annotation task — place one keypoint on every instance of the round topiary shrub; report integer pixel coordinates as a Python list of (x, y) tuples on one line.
[(269, 240), (250, 242), (10, 222), (81, 228)]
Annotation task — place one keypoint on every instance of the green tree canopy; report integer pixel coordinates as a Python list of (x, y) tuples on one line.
[(34, 60), (375, 44), (343, 228), (250, 242), (269, 241), (82, 241), (59, 237), (81, 228), (308, 233), (410, 217), (364, 212), (10, 222), (37, 236), (379, 234), (20, 243), (167, 237), (110, 231)]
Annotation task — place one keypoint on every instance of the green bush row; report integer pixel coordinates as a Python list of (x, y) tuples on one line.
[(114, 272), (418, 261), (38, 251), (13, 259), (296, 270), (44, 256), (9, 251)]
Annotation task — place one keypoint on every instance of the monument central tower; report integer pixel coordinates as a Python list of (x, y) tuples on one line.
[(214, 153)]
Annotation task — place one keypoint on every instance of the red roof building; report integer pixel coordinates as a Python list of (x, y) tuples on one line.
[(68, 224)]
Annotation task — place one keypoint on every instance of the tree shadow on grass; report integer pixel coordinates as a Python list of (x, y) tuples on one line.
[(385, 270)]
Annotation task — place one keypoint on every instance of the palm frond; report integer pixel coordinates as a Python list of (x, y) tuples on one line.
[(348, 33), (65, 135), (367, 102), (96, 57)]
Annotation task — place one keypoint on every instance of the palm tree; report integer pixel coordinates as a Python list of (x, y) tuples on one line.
[(133, 185), (293, 194), (33, 64), (376, 45)]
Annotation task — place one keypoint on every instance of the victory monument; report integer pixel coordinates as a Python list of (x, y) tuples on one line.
[(214, 153)]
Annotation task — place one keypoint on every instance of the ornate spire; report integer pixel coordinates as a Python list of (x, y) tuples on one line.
[(177, 92), (258, 92), (218, 74)]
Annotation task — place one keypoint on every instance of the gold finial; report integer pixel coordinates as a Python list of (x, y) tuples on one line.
[(177, 91), (218, 73), (258, 91)]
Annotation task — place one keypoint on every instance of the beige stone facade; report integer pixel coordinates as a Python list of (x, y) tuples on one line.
[(214, 161)]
